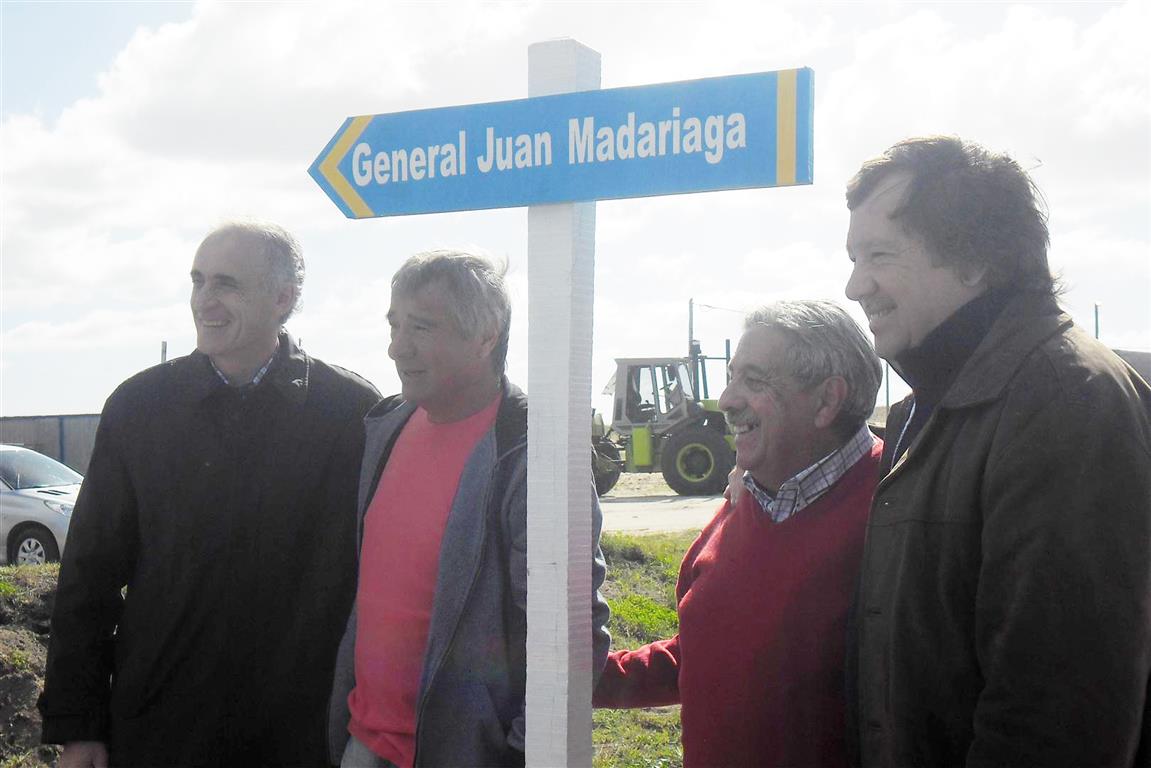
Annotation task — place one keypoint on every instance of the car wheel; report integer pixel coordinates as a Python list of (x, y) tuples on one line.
[(696, 461), (32, 545)]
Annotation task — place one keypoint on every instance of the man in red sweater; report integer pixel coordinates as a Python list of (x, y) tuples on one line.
[(764, 592)]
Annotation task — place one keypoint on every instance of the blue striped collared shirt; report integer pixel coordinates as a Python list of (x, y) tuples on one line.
[(255, 379)]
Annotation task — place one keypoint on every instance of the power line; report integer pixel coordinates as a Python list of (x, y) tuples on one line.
[(723, 309)]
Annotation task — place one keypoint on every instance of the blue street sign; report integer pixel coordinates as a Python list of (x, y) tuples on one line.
[(717, 133)]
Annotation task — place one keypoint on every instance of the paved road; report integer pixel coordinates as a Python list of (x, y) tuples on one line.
[(654, 514)]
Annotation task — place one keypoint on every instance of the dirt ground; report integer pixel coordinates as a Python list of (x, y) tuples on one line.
[(26, 597), (640, 484)]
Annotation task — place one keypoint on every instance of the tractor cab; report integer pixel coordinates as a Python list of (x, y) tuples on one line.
[(656, 393), (659, 424)]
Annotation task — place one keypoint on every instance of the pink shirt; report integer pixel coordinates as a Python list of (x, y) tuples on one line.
[(399, 561)]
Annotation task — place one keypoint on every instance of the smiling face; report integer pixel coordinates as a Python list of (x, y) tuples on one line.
[(235, 305), (440, 369), (775, 420), (903, 290)]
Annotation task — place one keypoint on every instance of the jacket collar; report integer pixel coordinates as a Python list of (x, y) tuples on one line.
[(1026, 322), (933, 366), (289, 375), (511, 418)]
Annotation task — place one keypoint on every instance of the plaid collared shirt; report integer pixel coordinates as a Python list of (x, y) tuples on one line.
[(803, 489), (255, 379)]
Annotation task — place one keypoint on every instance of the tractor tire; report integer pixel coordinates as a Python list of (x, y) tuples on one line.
[(696, 462), (605, 467)]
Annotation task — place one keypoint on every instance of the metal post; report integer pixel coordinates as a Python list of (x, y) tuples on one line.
[(561, 262), (693, 356), (690, 324), (887, 387), (1096, 319), (163, 351)]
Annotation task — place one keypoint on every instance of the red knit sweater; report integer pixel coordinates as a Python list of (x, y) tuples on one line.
[(758, 661)]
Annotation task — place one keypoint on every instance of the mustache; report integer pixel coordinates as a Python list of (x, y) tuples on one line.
[(739, 418)]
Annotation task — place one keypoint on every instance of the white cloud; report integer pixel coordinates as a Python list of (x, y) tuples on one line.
[(221, 115)]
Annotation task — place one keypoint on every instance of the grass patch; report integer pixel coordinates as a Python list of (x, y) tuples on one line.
[(639, 738), (640, 588), (23, 759), (15, 659), (26, 599), (33, 757), (24, 588), (642, 618), (18, 579)]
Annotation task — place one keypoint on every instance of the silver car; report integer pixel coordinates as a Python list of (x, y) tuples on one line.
[(36, 499)]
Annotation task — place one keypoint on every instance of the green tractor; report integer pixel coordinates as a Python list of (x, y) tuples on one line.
[(660, 425)]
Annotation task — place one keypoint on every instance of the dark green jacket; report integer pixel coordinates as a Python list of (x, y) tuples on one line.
[(1004, 613)]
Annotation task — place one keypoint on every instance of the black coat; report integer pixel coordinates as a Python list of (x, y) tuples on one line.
[(229, 516)]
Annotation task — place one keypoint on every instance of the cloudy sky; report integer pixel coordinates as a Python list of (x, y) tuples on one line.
[(129, 129)]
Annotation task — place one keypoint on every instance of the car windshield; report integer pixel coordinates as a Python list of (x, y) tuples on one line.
[(22, 469)]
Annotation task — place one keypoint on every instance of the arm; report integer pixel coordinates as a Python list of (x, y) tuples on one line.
[(645, 677), (601, 638), (649, 675), (1062, 615), (96, 564)]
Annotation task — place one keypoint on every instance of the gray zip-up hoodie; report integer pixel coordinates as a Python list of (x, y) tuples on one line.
[(470, 710)]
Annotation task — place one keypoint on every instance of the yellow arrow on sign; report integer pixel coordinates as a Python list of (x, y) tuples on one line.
[(329, 168), (785, 127)]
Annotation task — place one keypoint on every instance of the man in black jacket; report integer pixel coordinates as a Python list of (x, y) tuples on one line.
[(1003, 614), (207, 571)]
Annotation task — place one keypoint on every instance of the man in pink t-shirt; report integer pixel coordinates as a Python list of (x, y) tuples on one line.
[(432, 666)]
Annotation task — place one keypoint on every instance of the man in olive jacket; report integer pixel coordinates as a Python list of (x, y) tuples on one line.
[(1004, 609), (221, 494)]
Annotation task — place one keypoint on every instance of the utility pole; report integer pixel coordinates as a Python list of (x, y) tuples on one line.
[(887, 385), (691, 346), (727, 361), (163, 351), (1096, 319), (690, 325)]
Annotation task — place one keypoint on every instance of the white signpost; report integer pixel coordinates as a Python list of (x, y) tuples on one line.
[(558, 151), (561, 280)]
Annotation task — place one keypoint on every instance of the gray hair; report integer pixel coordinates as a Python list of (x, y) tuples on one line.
[(826, 342), (479, 305), (281, 251)]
